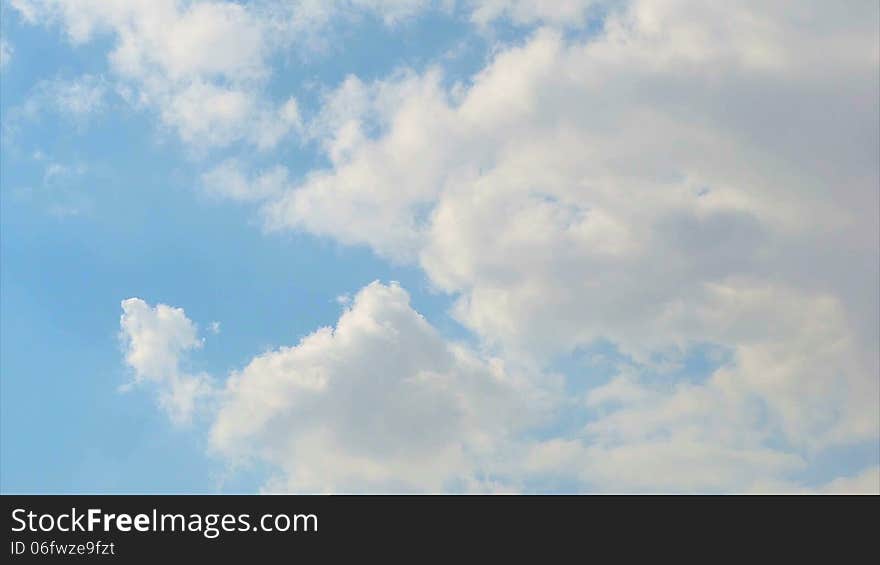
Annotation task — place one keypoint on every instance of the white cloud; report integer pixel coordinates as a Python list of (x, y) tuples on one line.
[(62, 190), (866, 482), (201, 65), (172, 38), (156, 339), (566, 13), (79, 99), (667, 465), (83, 96), (380, 402), (227, 180), (675, 180), (376, 189), (785, 396)]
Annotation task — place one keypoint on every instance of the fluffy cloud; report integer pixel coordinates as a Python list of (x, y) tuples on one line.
[(868, 481), (688, 176), (177, 58), (786, 394), (156, 339), (670, 465), (380, 402)]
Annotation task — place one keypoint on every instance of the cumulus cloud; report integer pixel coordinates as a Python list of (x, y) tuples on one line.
[(676, 180), (380, 402), (156, 340)]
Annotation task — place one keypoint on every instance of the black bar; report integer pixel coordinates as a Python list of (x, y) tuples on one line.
[(415, 529)]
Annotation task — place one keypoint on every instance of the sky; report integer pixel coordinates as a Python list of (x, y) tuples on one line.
[(449, 246)]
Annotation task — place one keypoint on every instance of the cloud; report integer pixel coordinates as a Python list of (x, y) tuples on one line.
[(664, 465), (380, 402), (866, 482), (207, 115), (79, 99), (565, 13), (177, 58), (377, 188), (62, 188), (780, 400), (175, 39), (156, 340), (227, 180), (203, 66), (675, 180)]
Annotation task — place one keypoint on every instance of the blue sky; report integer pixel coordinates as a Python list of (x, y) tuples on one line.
[(597, 271)]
